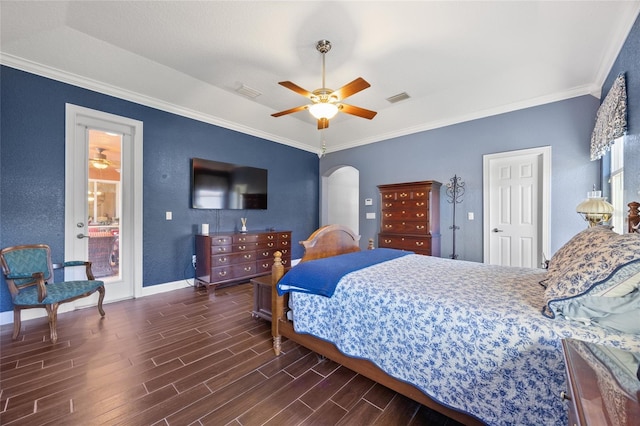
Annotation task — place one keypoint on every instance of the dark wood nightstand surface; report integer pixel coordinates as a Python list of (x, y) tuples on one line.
[(603, 386)]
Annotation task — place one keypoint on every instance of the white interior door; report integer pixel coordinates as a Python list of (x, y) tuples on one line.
[(516, 207), (102, 205)]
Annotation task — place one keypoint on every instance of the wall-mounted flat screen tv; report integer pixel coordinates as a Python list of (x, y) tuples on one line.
[(217, 185)]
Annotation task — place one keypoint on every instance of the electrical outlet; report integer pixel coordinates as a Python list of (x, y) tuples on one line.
[(193, 261)]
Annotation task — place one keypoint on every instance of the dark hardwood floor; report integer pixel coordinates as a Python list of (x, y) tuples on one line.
[(183, 358)]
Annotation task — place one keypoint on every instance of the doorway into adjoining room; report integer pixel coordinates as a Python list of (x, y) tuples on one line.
[(341, 190)]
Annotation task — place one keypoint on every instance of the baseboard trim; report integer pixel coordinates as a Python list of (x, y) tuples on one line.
[(27, 314)]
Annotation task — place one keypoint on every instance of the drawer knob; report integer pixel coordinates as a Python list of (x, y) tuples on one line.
[(222, 273), (565, 396), (222, 259), (419, 243)]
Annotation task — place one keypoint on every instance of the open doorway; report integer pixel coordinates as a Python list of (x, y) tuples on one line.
[(341, 192)]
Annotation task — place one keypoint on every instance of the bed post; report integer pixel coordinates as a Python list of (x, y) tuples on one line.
[(277, 302)]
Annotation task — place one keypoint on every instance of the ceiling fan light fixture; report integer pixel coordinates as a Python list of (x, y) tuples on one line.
[(323, 110), (99, 164), (100, 160)]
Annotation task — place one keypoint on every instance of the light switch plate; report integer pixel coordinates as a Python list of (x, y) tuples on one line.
[(371, 215), (168, 215), (368, 201)]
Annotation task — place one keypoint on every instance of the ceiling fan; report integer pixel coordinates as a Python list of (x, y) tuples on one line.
[(326, 103), (100, 160)]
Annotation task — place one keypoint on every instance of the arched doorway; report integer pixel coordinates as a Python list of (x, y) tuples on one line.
[(340, 193)]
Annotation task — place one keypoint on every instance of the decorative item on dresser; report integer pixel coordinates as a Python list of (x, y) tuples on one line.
[(225, 258), (410, 217)]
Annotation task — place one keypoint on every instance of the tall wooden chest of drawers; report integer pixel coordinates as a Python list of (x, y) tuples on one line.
[(410, 217), (223, 258)]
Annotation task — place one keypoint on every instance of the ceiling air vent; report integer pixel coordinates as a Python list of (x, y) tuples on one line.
[(399, 97), (247, 91)]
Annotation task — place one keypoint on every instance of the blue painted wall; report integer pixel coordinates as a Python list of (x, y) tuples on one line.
[(32, 158), (628, 62), (457, 150)]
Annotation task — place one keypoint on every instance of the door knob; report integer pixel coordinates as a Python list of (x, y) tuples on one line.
[(81, 236), (496, 230)]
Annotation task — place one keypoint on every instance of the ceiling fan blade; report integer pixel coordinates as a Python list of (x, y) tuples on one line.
[(360, 112), (299, 90), (323, 123), (351, 88), (289, 111)]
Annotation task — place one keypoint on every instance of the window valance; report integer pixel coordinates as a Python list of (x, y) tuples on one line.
[(611, 119)]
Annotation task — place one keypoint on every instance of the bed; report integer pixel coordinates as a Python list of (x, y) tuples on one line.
[(491, 354)]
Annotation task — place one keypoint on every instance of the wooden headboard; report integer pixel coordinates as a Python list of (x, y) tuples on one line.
[(634, 217), (330, 240)]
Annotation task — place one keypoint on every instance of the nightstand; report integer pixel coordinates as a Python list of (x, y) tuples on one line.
[(603, 385), (262, 297)]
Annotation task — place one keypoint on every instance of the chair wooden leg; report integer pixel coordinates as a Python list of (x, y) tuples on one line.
[(16, 323), (52, 310), (100, 299)]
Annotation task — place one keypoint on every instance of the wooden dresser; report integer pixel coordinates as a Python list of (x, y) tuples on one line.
[(224, 258), (603, 385), (410, 217)]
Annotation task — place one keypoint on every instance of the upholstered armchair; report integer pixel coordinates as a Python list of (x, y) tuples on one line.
[(28, 272)]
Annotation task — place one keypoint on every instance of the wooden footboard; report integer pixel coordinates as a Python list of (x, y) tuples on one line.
[(330, 241)]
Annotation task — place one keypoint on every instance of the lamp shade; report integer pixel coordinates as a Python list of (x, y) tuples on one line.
[(595, 209), (323, 110)]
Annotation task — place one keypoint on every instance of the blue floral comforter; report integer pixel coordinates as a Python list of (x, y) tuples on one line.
[(469, 335)]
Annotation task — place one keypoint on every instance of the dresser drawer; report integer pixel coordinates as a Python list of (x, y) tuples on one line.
[(222, 273), (221, 240), (284, 236), (268, 237), (243, 270), (249, 246), (402, 242), (245, 238), (221, 249), (406, 227), (266, 245), (405, 214), (286, 253), (263, 266), (232, 258), (282, 244)]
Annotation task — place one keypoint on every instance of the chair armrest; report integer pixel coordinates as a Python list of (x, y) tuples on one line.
[(86, 264), (69, 263), (42, 288)]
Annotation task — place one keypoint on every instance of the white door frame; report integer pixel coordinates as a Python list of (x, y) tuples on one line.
[(545, 196), (76, 153)]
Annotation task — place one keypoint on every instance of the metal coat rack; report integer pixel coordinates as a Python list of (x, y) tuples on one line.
[(455, 191)]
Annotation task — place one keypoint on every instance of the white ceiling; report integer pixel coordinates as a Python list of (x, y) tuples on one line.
[(457, 60)]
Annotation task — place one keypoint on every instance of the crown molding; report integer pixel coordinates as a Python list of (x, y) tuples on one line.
[(128, 95)]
